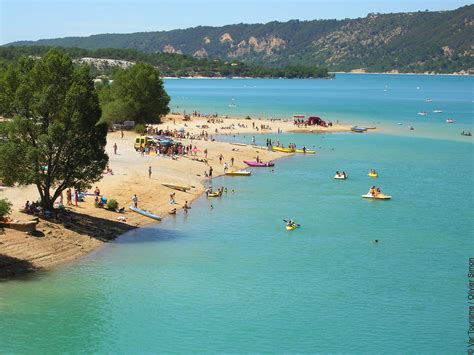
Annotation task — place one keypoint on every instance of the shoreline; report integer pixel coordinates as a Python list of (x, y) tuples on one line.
[(86, 228)]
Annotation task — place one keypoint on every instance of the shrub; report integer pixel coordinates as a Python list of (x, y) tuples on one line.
[(112, 204), (5, 207), (140, 128)]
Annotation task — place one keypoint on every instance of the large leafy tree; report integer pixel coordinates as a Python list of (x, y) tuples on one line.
[(53, 139), (135, 94)]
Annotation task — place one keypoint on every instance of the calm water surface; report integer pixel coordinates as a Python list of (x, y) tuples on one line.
[(233, 279)]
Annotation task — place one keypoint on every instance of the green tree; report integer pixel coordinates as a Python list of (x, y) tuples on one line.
[(135, 94), (5, 208), (53, 138)]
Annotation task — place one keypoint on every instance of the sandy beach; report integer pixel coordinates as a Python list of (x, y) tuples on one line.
[(87, 227)]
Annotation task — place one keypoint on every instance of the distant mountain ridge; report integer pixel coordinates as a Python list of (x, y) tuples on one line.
[(439, 41)]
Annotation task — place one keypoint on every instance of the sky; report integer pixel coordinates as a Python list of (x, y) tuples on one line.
[(38, 19)]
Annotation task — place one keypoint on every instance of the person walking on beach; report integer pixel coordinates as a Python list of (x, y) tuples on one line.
[(226, 167), (186, 207), (172, 201), (232, 161), (115, 148), (135, 200), (220, 158), (69, 197), (149, 172), (210, 172), (205, 153), (121, 133)]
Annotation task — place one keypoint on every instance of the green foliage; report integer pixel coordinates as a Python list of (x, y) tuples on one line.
[(140, 128), (136, 94), (112, 204), (53, 138), (408, 42), (5, 207), (171, 65)]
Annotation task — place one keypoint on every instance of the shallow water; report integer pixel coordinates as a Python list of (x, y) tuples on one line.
[(232, 278), (383, 101)]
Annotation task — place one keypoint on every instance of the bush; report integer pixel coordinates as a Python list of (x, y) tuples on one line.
[(5, 207), (140, 128), (112, 205)]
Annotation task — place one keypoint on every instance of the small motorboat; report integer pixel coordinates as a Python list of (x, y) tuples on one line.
[(213, 194), (340, 177), (259, 164), (358, 129), (373, 175), (378, 197), (449, 120), (422, 113), (437, 111), (429, 100), (237, 173)]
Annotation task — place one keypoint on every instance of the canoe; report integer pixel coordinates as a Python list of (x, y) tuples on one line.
[(378, 197), (238, 173), (213, 194), (340, 177), (307, 151), (259, 164), (145, 213), (283, 150), (373, 175), (176, 187)]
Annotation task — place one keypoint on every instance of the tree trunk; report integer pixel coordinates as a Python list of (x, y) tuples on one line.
[(46, 201)]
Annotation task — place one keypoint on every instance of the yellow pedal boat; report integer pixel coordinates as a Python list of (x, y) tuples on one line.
[(378, 197)]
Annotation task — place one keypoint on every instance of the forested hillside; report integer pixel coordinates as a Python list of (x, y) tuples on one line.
[(408, 42)]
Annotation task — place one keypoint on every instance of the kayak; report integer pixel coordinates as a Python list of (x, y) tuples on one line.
[(283, 150), (307, 151), (259, 164), (145, 213), (176, 187), (238, 173), (293, 226), (373, 175), (340, 177), (378, 197)]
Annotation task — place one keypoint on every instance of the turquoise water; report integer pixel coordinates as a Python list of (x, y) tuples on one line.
[(232, 279)]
